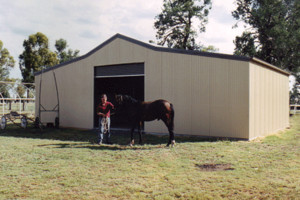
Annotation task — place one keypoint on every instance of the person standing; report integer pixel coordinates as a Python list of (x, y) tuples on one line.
[(103, 111)]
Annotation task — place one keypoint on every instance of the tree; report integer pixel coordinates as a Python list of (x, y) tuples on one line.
[(174, 23), (62, 54), (209, 48), (273, 32), (295, 95), (21, 91), (6, 62), (36, 56)]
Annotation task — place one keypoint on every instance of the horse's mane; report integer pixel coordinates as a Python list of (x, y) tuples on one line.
[(129, 99)]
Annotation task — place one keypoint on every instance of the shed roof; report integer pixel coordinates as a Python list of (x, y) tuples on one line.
[(164, 49)]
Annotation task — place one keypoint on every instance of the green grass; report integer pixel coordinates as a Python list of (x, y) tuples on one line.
[(16, 107), (67, 164)]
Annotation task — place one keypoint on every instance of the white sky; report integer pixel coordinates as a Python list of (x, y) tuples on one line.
[(87, 23)]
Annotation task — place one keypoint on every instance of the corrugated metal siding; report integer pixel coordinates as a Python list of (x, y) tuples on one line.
[(269, 97), (153, 89), (228, 98), (46, 102), (239, 99), (200, 96), (73, 90), (210, 96), (76, 82), (120, 70)]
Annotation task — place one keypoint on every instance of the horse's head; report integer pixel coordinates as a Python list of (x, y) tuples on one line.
[(119, 99)]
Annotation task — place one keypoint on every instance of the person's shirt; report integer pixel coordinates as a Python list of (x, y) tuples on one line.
[(105, 109)]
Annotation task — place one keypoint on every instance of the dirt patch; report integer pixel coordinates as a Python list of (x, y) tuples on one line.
[(215, 167)]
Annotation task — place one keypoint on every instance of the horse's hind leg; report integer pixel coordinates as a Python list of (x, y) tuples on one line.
[(169, 123), (171, 138)]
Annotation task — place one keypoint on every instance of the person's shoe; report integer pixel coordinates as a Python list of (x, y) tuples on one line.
[(100, 142), (109, 142)]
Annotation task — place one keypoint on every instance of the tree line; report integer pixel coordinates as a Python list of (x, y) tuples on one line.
[(272, 33), (36, 55)]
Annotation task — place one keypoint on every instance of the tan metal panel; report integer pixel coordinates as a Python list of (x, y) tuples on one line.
[(238, 99), (75, 84), (200, 99), (182, 95), (130, 53), (153, 87), (268, 101), (114, 52), (219, 97), (47, 103), (228, 98), (189, 89)]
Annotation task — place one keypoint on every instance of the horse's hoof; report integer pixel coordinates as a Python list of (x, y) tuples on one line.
[(173, 143)]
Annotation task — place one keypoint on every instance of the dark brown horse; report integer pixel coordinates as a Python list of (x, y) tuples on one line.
[(148, 111)]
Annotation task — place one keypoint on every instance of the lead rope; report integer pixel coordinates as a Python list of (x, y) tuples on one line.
[(104, 123)]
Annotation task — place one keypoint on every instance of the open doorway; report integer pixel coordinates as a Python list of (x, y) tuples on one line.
[(126, 84)]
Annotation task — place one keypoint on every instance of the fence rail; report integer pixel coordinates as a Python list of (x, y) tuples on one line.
[(294, 109)]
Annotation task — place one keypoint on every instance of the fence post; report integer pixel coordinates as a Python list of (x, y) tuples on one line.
[(23, 105)]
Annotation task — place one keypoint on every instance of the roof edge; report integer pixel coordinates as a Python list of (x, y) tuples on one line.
[(148, 46), (80, 57), (273, 67), (183, 51)]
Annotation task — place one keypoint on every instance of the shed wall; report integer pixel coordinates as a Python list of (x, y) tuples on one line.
[(210, 95), (269, 101), (76, 83)]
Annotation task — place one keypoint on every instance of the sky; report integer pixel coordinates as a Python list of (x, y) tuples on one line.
[(85, 24)]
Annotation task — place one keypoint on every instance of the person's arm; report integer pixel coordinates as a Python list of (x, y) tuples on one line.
[(100, 113), (112, 107)]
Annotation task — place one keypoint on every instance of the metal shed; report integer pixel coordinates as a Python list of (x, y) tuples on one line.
[(214, 95)]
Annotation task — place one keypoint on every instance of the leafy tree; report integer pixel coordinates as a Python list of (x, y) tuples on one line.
[(209, 48), (36, 56), (273, 31), (21, 91), (174, 23), (62, 54), (6, 62), (295, 95)]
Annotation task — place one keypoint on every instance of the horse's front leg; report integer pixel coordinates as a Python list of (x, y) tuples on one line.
[(131, 136), (140, 131)]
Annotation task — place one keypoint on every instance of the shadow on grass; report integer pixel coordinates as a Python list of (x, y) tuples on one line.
[(120, 139), (112, 147)]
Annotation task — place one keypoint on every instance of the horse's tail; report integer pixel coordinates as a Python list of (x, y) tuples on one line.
[(172, 116)]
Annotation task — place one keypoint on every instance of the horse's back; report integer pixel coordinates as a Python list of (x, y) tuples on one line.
[(156, 109)]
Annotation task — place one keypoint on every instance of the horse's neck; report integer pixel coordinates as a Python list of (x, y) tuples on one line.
[(131, 100)]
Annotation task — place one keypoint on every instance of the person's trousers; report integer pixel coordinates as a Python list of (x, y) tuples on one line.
[(104, 129)]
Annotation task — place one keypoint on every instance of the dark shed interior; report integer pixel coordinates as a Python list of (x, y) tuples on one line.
[(126, 84)]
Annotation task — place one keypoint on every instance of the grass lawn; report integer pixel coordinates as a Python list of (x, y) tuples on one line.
[(67, 164)]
